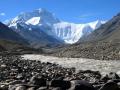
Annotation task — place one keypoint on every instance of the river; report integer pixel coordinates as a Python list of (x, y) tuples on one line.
[(104, 66)]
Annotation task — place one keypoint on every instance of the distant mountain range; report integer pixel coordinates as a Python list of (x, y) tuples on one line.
[(42, 29), (102, 43)]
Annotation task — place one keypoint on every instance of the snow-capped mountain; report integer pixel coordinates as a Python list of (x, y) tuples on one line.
[(71, 32), (36, 17), (36, 27), (45, 22)]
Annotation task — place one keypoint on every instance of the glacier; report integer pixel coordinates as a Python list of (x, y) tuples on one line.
[(44, 20), (71, 32)]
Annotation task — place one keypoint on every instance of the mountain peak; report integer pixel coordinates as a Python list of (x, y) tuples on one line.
[(96, 24), (41, 19), (37, 17)]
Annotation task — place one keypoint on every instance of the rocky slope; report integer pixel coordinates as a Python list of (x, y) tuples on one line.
[(94, 50), (8, 34), (108, 32), (12, 43), (37, 38), (10, 47)]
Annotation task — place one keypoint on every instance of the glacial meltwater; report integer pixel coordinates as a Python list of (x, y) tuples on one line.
[(104, 66)]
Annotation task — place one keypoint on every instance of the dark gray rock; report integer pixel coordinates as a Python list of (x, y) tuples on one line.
[(113, 75), (20, 88), (37, 81), (81, 85), (110, 86), (57, 88), (42, 88), (31, 88), (17, 87), (60, 83), (105, 78), (3, 87)]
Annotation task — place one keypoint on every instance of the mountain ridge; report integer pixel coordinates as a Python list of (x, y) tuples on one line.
[(45, 21), (108, 32), (102, 44), (8, 34)]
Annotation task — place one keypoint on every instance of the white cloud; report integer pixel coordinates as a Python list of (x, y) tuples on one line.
[(2, 14)]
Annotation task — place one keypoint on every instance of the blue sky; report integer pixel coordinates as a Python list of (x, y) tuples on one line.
[(77, 11)]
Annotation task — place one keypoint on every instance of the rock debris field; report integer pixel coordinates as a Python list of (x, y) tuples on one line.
[(38, 72)]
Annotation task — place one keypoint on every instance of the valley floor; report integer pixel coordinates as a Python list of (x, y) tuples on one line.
[(104, 66), (38, 72)]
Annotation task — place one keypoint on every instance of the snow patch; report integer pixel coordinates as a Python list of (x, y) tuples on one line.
[(33, 21)]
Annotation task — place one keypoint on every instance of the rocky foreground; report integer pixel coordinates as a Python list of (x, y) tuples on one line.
[(19, 74)]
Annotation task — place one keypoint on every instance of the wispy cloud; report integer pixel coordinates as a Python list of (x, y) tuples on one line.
[(85, 15), (88, 16), (2, 14)]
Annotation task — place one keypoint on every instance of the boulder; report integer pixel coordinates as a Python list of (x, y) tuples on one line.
[(81, 85), (57, 88), (113, 75), (42, 88), (110, 86), (37, 81), (17, 87), (60, 83), (105, 78), (3, 87), (31, 88), (21, 88)]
